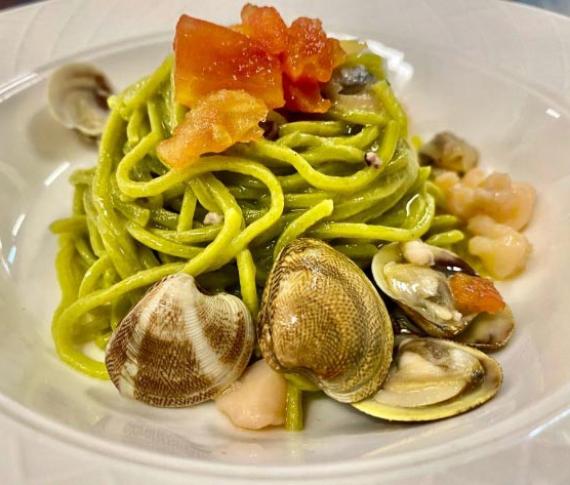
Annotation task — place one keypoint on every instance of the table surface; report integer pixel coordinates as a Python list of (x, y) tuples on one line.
[(560, 6)]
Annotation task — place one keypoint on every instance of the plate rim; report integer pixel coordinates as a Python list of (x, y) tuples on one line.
[(60, 433)]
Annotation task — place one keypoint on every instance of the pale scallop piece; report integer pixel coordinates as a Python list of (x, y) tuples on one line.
[(257, 400), (508, 202), (474, 177), (446, 180), (496, 195), (503, 251)]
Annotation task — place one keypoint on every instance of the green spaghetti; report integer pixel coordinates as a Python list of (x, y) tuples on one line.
[(135, 221)]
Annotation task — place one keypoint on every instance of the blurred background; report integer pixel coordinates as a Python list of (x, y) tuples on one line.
[(560, 6)]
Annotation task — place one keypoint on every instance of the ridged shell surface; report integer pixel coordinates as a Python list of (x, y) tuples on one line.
[(179, 347), (323, 318)]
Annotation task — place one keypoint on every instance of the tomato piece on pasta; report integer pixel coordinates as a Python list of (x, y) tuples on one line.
[(216, 122), (265, 25), (209, 57), (304, 96), (473, 294), (310, 54)]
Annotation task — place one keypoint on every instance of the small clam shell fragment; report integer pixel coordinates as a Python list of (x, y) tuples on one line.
[(449, 152), (433, 379), (179, 347), (322, 318), (77, 97)]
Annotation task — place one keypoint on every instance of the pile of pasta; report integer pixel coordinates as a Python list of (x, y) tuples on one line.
[(225, 218)]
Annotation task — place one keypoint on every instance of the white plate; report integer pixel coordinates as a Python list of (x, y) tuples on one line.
[(495, 73)]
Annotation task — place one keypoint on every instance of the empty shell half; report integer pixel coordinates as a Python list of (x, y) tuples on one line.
[(178, 346), (77, 97), (433, 379), (449, 152)]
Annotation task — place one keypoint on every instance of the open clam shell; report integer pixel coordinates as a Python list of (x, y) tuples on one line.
[(432, 379), (486, 332), (449, 152), (77, 97), (441, 295), (419, 286)]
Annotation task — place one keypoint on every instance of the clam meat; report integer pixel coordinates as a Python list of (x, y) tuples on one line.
[(486, 332), (433, 379), (323, 319), (77, 97), (435, 288), (178, 346)]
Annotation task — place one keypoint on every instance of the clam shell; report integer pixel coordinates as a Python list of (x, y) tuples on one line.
[(322, 318), (488, 332), (434, 326), (449, 152), (453, 396), (179, 347), (77, 97)]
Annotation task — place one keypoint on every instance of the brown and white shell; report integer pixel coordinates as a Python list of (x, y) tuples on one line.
[(178, 346), (322, 318)]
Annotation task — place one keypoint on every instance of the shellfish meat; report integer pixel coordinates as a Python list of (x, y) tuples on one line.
[(433, 379)]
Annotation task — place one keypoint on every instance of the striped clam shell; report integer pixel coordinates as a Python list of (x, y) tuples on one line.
[(178, 346), (322, 317)]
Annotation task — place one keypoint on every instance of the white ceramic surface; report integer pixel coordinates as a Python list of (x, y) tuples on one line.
[(495, 73)]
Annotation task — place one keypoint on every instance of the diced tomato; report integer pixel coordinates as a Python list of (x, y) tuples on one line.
[(209, 57), (473, 294), (338, 53), (304, 96), (265, 25), (310, 54), (239, 28), (261, 56), (217, 121)]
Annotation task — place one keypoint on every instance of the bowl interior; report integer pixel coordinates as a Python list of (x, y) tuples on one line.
[(518, 130)]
